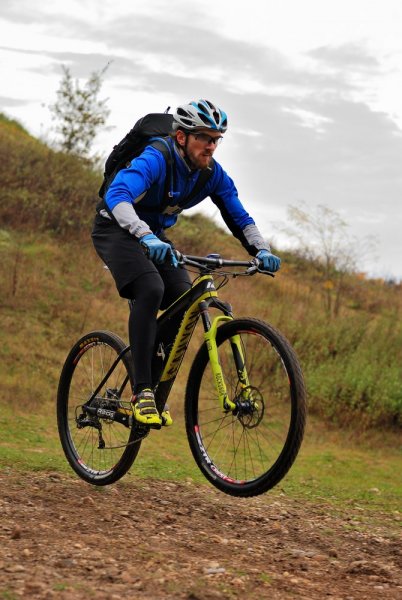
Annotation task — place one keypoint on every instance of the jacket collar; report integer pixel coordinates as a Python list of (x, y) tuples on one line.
[(181, 163)]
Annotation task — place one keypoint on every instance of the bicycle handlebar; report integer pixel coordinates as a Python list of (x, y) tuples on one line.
[(215, 261)]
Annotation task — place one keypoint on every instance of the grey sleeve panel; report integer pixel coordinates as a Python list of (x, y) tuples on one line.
[(254, 238), (127, 218)]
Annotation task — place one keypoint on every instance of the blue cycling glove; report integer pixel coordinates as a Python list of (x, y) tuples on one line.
[(269, 262), (158, 251)]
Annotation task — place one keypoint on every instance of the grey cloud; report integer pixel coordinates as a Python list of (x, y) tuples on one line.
[(358, 155), (190, 47), (346, 55), (195, 48), (18, 11), (353, 167), (82, 64), (6, 102)]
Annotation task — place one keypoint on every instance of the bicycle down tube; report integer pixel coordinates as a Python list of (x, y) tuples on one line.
[(196, 302)]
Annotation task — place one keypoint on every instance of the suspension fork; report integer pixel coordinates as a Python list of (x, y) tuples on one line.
[(210, 331), (235, 342)]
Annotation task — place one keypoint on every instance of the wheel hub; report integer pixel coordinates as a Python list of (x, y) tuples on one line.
[(250, 407)]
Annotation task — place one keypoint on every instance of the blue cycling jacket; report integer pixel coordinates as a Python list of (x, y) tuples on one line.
[(142, 185)]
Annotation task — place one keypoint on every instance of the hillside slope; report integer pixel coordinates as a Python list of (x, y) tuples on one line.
[(42, 189), (53, 287)]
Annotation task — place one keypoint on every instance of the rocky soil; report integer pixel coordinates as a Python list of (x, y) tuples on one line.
[(61, 538)]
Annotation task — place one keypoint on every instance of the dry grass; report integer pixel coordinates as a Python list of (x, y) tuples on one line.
[(53, 288)]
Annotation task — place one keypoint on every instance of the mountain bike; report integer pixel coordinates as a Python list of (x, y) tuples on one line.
[(245, 399)]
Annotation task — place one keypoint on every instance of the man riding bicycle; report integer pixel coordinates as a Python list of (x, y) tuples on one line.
[(129, 234)]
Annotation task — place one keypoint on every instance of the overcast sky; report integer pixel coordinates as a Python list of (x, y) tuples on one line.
[(313, 91)]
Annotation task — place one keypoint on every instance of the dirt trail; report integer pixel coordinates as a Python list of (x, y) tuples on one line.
[(61, 538)]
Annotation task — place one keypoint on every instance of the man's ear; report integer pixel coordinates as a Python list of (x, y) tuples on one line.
[(181, 137)]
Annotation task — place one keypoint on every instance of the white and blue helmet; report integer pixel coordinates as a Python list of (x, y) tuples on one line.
[(200, 115)]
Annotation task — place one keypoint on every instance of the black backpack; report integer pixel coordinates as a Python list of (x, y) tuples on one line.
[(153, 125)]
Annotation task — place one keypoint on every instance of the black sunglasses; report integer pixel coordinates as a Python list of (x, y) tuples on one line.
[(207, 139)]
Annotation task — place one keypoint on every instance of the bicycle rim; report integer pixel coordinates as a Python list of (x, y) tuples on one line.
[(99, 449), (247, 451)]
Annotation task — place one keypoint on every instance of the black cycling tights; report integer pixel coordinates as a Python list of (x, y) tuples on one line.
[(148, 292)]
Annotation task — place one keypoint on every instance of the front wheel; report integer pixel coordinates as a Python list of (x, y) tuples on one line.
[(98, 447), (248, 450)]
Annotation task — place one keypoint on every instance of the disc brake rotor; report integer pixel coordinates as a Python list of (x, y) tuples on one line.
[(250, 407)]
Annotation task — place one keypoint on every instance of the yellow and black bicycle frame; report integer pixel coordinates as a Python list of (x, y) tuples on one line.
[(195, 303), (190, 306)]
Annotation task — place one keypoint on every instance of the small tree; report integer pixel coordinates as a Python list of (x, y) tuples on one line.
[(79, 113), (323, 238)]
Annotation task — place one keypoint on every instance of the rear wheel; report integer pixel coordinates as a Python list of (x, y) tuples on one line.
[(98, 447), (246, 451)]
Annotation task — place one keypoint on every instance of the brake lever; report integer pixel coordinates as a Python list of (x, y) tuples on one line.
[(179, 256), (252, 270), (257, 267), (266, 272)]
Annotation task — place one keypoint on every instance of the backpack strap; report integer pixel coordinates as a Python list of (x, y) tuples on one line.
[(202, 180), (162, 145)]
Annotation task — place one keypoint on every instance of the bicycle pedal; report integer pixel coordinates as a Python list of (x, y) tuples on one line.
[(155, 426), (140, 427)]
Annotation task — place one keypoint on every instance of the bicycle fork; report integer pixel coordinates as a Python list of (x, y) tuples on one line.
[(210, 331)]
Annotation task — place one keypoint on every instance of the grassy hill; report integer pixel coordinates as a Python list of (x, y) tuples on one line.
[(42, 190), (53, 288)]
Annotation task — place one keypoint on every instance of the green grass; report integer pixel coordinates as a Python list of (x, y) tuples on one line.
[(29, 441), (331, 467), (344, 472)]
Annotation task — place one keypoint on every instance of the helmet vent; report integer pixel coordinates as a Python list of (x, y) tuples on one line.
[(205, 119), (202, 108), (187, 121)]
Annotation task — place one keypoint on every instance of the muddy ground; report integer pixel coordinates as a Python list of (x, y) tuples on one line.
[(61, 538)]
